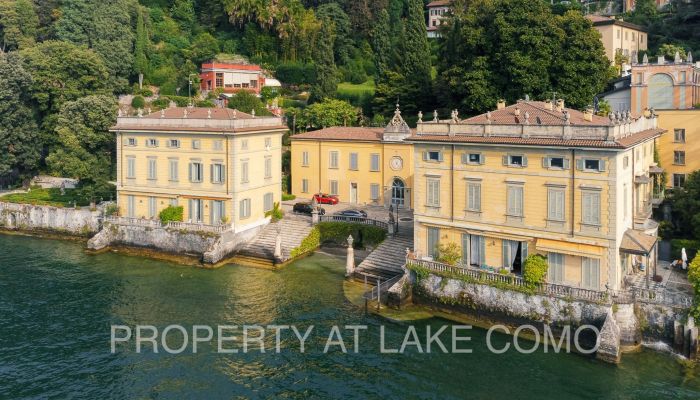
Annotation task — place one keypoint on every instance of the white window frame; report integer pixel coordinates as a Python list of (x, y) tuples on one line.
[(244, 209), (679, 135), (174, 143), (218, 145), (467, 158), (131, 167), (591, 207), (515, 201), (131, 142), (679, 157), (333, 159), (305, 159), (152, 169), (432, 185), (151, 142), (196, 171), (218, 173), (474, 196), (374, 162), (556, 204), (173, 170), (196, 144), (509, 160)]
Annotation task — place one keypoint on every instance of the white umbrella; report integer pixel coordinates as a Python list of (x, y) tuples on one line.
[(684, 257)]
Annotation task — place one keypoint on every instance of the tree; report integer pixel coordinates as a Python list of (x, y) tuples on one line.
[(19, 24), (246, 102), (204, 47), (141, 44), (19, 147), (509, 49), (86, 148), (326, 83), (343, 31), (685, 204), (327, 113), (381, 44), (669, 51)]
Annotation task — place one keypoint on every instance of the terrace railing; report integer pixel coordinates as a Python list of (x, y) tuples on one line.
[(355, 220), (154, 223)]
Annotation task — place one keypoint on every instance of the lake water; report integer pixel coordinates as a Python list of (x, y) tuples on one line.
[(57, 304)]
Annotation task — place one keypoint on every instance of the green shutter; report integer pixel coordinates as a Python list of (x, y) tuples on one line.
[(579, 164)]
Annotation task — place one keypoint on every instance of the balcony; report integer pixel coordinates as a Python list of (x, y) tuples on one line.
[(181, 226)]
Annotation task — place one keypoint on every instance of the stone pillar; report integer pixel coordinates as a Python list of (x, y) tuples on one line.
[(350, 261), (278, 246), (314, 217)]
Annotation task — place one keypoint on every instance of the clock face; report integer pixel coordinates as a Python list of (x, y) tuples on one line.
[(396, 163)]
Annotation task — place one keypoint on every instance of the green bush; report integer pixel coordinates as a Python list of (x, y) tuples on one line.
[(535, 269), (296, 73), (276, 213), (171, 213), (665, 230), (205, 103), (363, 235), (287, 197), (111, 210), (138, 102), (694, 279), (310, 243), (691, 248), (449, 253), (161, 103)]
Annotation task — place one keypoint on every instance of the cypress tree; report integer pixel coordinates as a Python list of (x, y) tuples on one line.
[(326, 76), (381, 44), (140, 60)]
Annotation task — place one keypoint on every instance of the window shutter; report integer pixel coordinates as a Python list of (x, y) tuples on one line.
[(223, 173), (425, 156), (189, 209), (505, 160), (482, 256), (125, 142), (440, 156), (567, 163), (465, 249), (524, 161), (579, 164), (506, 254), (189, 169), (523, 250), (465, 158), (601, 166), (545, 162), (211, 173), (482, 159)]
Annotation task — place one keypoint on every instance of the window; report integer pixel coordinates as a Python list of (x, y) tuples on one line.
[(268, 202), (219, 79), (474, 196), (218, 145), (130, 206), (333, 159), (218, 212), (590, 164), (679, 135), (244, 211), (433, 241), (624, 200), (476, 247), (173, 170), (244, 144), (432, 156), (131, 167), (152, 207), (268, 167), (626, 162), (152, 173), (174, 143), (515, 201), (515, 160), (334, 187), (268, 143), (173, 202), (618, 33), (555, 162), (590, 273), (555, 204), (305, 186), (374, 162), (254, 84), (555, 272), (152, 142), (196, 172), (679, 157), (218, 173), (196, 144), (590, 208), (131, 141), (472, 158), (244, 171), (374, 191), (433, 192), (678, 180), (245, 85), (305, 159), (353, 161)]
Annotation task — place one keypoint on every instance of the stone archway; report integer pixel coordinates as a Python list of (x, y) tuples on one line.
[(661, 92)]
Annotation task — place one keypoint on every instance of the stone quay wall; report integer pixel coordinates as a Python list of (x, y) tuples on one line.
[(27, 217)]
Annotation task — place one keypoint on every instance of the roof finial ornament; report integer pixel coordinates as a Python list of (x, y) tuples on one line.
[(527, 97), (435, 116), (209, 113), (253, 113), (140, 113), (396, 120), (235, 113), (420, 116), (677, 58), (689, 58), (567, 117), (612, 117), (162, 113), (488, 115), (184, 113), (119, 112), (455, 116), (527, 118), (645, 59)]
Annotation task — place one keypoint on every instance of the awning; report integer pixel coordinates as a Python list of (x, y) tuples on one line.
[(574, 249), (655, 169), (637, 242), (641, 179)]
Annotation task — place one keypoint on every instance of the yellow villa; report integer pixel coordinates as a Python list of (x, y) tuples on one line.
[(536, 177), (221, 165), (619, 36), (372, 166)]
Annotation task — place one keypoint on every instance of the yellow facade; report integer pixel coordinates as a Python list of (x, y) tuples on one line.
[(680, 147), (618, 36), (218, 178)]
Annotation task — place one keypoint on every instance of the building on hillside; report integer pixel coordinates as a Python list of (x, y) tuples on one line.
[(221, 165), (359, 165), (628, 5), (672, 89), (436, 12), (619, 36), (231, 77), (537, 177)]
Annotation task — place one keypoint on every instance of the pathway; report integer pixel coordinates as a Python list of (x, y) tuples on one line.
[(262, 248), (387, 260)]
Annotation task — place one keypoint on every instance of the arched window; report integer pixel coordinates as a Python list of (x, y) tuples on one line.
[(398, 192), (661, 92)]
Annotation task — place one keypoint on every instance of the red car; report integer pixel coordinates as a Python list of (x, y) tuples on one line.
[(323, 198)]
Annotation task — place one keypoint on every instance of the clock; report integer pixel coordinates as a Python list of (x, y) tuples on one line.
[(396, 163)]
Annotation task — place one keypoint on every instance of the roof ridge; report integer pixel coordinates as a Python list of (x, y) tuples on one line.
[(550, 112)]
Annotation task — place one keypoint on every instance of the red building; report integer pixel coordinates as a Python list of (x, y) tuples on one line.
[(231, 77)]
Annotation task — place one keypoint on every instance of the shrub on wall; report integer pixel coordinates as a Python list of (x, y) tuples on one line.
[(111, 210), (694, 279), (310, 243), (363, 235), (535, 269), (449, 253), (171, 213)]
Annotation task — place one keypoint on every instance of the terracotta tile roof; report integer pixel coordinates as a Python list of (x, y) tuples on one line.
[(199, 112), (504, 140), (539, 115), (342, 133), (599, 20), (146, 128), (637, 242), (439, 3)]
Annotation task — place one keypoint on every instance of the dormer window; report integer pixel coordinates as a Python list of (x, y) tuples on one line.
[(435, 156), (515, 160), (590, 164), (174, 143), (152, 142), (556, 162), (131, 141), (472, 158)]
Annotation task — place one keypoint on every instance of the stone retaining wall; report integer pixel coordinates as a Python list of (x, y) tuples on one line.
[(27, 217)]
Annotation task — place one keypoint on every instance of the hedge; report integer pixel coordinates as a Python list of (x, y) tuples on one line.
[(535, 269), (171, 213), (363, 235), (310, 243)]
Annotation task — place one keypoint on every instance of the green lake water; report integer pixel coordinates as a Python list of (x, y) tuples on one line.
[(57, 304)]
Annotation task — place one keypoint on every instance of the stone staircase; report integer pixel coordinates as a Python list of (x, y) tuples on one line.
[(386, 260), (261, 249)]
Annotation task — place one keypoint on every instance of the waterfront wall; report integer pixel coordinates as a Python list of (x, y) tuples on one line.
[(27, 217)]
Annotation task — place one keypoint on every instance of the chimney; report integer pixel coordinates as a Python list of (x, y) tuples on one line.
[(548, 105), (560, 105), (588, 114), (501, 104), (517, 111)]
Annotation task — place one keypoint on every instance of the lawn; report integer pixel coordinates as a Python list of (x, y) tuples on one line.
[(351, 89), (46, 197)]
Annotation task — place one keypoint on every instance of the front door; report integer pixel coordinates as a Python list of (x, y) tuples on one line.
[(397, 192), (353, 193)]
